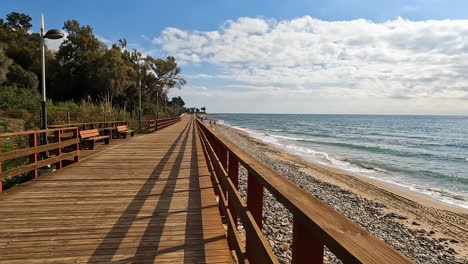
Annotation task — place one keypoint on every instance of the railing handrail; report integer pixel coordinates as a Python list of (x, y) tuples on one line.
[(348, 241), (90, 123), (9, 134), (35, 149)]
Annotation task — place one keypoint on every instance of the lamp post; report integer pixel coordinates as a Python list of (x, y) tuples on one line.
[(139, 106), (51, 34), (157, 105)]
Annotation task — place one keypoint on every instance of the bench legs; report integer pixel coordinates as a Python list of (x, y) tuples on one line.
[(91, 144), (106, 141)]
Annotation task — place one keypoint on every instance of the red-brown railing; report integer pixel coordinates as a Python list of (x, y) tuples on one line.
[(150, 125), (315, 224), (153, 125), (93, 125), (61, 147), (162, 123)]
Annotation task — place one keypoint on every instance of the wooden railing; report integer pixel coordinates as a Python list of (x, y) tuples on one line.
[(153, 125), (58, 151), (162, 123), (315, 224), (92, 125), (150, 126)]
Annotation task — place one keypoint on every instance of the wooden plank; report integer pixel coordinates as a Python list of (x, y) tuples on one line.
[(147, 201)]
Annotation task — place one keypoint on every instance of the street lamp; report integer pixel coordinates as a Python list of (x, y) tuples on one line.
[(157, 105), (139, 105), (51, 34)]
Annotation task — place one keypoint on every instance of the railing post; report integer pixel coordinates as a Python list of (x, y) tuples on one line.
[(58, 138), (223, 155), (76, 147), (234, 176), (306, 248), (33, 157), (255, 206), (255, 198), (217, 146)]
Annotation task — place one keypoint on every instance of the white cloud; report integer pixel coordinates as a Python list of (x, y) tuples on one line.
[(398, 59), (108, 42)]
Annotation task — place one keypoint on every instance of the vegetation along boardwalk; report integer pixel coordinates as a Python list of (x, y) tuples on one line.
[(149, 200)]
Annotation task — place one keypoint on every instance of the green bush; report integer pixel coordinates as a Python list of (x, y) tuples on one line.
[(12, 97)]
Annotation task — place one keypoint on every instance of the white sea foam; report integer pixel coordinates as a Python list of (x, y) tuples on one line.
[(375, 173)]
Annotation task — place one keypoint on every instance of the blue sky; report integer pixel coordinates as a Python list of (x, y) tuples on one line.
[(342, 56)]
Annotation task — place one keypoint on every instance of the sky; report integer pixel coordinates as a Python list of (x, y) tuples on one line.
[(299, 56)]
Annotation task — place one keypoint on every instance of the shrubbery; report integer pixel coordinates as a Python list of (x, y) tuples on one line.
[(12, 97)]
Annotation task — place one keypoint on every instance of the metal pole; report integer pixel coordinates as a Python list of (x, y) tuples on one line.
[(43, 136), (157, 105), (139, 103), (44, 100)]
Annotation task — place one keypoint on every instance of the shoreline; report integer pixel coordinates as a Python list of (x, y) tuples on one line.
[(427, 218), (401, 190)]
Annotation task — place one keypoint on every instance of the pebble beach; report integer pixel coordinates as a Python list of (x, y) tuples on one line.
[(425, 231)]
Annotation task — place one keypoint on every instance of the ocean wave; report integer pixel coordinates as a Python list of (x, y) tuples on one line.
[(374, 149), (364, 165), (420, 182)]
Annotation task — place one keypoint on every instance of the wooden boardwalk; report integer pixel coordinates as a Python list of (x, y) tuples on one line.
[(148, 200)]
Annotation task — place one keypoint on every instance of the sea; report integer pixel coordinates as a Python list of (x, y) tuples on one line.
[(425, 154)]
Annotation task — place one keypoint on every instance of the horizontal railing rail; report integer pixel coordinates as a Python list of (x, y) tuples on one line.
[(58, 150), (162, 123), (153, 125), (92, 125), (315, 224), (150, 125)]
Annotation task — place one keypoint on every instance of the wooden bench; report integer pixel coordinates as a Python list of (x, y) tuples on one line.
[(91, 136), (124, 131)]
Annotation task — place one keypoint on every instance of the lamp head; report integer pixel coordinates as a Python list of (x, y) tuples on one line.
[(54, 34)]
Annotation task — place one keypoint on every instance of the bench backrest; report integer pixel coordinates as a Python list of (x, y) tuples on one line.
[(89, 133), (122, 128)]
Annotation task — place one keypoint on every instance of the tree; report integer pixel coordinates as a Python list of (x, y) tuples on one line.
[(5, 63), (22, 48), (76, 61), (18, 21), (115, 75), (17, 76), (178, 101), (83, 67)]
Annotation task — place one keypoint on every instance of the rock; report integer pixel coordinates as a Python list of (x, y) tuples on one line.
[(396, 216), (453, 241), (416, 224), (451, 251), (284, 247)]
